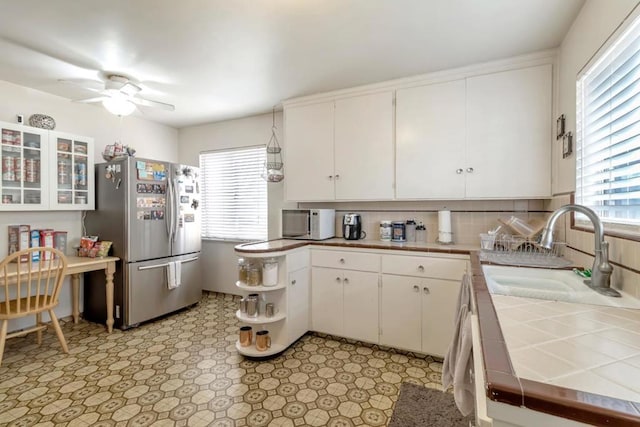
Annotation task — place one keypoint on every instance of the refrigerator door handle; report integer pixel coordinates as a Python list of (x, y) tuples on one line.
[(176, 213), (150, 267), (167, 218), (172, 205)]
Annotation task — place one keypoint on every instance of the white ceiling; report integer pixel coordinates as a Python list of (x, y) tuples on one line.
[(222, 59)]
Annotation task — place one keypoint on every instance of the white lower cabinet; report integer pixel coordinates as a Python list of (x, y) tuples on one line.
[(345, 303), (298, 303), (401, 312), (418, 313)]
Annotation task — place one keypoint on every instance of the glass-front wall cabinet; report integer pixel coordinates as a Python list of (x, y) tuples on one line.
[(24, 168), (44, 169), (74, 172)]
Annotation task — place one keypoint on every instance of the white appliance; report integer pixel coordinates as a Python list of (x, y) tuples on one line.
[(308, 224)]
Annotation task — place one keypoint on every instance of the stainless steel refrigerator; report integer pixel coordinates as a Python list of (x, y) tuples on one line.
[(150, 211)]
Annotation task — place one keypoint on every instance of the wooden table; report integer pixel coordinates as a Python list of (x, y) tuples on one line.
[(78, 265)]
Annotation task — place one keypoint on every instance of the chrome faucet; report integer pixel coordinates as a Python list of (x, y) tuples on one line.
[(601, 270)]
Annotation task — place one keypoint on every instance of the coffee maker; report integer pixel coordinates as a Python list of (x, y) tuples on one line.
[(352, 227)]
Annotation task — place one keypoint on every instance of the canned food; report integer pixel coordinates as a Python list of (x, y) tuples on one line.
[(31, 170), (81, 174), (399, 231), (8, 169), (385, 230)]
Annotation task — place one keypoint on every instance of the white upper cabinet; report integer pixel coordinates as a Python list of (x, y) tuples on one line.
[(364, 147), (430, 141), (45, 170), (25, 176), (340, 150), (72, 158), (509, 134), (479, 132), (309, 152)]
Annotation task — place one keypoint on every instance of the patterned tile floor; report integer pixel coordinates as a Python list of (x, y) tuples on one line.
[(184, 370)]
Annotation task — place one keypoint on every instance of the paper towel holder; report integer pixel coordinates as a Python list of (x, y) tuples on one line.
[(448, 234)]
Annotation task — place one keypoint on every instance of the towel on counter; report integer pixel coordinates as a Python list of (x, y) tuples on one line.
[(171, 275), (458, 361)]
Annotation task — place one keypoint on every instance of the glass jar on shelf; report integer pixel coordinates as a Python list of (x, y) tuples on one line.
[(242, 270), (64, 171), (270, 272), (254, 274)]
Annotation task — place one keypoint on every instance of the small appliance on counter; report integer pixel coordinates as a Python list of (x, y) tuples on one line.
[(308, 224), (352, 227)]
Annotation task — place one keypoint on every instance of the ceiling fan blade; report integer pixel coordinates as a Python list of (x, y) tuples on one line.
[(90, 100), (91, 85), (155, 104), (130, 89)]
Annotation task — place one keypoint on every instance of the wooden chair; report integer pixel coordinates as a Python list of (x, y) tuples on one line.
[(31, 288)]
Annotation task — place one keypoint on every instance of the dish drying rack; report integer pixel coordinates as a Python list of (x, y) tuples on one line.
[(522, 247)]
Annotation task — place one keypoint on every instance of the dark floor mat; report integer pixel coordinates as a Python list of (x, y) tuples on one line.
[(422, 406)]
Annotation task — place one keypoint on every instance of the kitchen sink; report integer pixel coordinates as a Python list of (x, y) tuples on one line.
[(548, 284)]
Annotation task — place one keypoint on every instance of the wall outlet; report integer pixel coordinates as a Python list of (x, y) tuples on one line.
[(20, 119)]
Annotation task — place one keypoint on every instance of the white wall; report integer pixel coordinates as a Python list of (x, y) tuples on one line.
[(148, 138), (218, 258)]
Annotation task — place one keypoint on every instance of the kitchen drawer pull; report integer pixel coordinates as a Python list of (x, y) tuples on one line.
[(470, 170), (189, 260), (341, 260), (416, 288), (346, 281), (421, 268), (293, 282), (459, 171), (426, 290)]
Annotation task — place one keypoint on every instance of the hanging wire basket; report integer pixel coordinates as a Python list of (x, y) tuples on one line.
[(273, 165)]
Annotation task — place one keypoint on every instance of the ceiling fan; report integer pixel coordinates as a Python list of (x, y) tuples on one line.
[(119, 95)]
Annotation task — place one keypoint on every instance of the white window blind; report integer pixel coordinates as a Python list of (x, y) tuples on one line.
[(608, 132), (234, 201)]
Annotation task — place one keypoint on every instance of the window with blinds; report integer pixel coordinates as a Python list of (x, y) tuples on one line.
[(234, 196), (608, 132)]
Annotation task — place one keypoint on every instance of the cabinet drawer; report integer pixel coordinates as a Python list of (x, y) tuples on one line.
[(439, 268), (346, 260)]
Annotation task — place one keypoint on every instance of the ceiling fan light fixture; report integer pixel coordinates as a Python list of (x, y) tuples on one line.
[(119, 106)]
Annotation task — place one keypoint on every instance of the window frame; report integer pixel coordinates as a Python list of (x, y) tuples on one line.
[(614, 228), (236, 238)]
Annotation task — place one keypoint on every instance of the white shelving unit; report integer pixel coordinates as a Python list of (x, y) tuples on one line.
[(290, 298)]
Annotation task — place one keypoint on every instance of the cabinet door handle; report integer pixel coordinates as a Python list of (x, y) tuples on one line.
[(293, 282), (346, 281), (330, 177), (459, 171), (470, 170), (341, 260), (421, 268), (337, 176), (416, 288), (338, 279), (426, 290)]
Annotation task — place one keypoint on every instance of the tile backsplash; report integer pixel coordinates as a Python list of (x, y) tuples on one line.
[(469, 218)]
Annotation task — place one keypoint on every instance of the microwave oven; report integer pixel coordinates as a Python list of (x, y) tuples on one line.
[(309, 224)]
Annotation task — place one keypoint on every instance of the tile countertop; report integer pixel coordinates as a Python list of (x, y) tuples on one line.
[(576, 361), (279, 245)]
